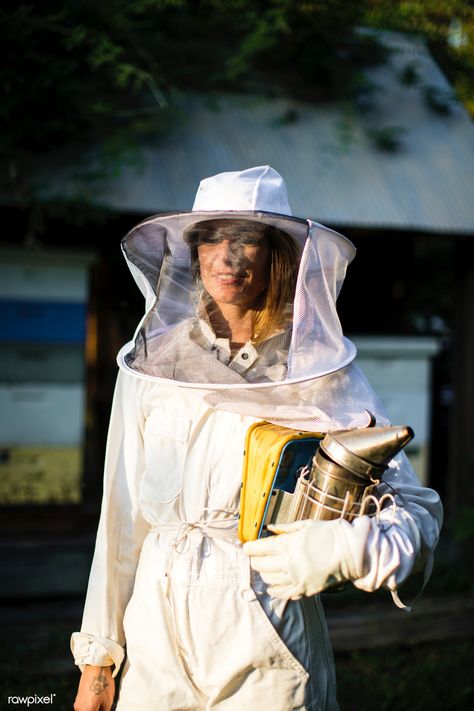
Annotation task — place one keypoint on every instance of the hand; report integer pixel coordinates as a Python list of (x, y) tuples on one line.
[(96, 690), (308, 556)]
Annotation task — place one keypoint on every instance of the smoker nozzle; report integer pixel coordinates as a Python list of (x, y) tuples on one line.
[(365, 452)]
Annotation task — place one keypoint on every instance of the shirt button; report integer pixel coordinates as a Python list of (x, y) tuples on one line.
[(245, 356)]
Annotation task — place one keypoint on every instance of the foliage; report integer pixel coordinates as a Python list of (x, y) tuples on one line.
[(448, 25), (388, 138), (106, 74)]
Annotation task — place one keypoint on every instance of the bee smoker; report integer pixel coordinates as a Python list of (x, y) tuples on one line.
[(344, 472)]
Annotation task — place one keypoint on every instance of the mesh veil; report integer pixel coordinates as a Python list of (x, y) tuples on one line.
[(307, 382)]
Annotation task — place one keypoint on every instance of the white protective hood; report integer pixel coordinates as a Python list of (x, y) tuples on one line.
[(315, 389)]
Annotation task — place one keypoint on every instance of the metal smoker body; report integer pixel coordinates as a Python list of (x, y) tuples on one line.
[(342, 478)]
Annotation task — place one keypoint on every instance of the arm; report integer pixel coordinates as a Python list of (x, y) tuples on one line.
[(120, 534), (96, 690), (372, 552), (402, 541)]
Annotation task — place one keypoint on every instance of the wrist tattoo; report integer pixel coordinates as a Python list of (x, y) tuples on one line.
[(99, 683)]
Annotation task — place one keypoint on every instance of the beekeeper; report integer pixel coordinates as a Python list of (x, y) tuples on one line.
[(240, 326)]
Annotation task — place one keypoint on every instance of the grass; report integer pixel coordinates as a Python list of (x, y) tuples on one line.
[(434, 677), (438, 678)]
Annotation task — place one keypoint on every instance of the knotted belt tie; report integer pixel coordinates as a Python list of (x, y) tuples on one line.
[(209, 528)]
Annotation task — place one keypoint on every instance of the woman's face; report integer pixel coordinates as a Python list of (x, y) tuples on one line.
[(234, 270)]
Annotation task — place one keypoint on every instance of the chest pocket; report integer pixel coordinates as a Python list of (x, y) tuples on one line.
[(166, 440)]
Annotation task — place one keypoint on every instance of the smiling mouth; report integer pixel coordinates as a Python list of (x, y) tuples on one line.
[(229, 278)]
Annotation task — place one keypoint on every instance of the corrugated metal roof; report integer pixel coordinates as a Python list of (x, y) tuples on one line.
[(333, 171)]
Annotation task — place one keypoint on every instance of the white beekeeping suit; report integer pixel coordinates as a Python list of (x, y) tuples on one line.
[(170, 579)]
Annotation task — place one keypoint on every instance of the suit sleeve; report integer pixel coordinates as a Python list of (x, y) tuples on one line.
[(387, 548), (120, 534), (402, 538)]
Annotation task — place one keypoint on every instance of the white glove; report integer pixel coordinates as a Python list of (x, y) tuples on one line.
[(309, 556)]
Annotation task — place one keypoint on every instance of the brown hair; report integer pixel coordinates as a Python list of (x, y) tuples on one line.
[(273, 311)]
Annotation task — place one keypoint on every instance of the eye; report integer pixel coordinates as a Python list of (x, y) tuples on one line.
[(251, 241), (208, 239)]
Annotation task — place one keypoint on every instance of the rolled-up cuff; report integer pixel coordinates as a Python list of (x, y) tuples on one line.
[(96, 651)]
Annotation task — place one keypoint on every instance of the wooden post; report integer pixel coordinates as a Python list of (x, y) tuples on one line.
[(460, 485)]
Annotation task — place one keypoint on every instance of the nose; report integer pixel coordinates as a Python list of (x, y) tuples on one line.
[(229, 252)]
